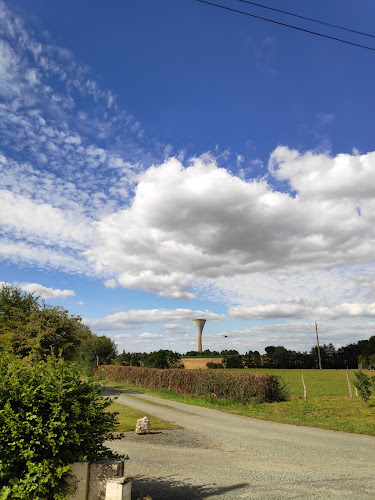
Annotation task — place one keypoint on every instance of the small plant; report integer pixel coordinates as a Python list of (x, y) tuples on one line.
[(363, 384), (49, 418)]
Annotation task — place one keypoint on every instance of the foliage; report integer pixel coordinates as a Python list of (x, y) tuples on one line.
[(163, 359), (336, 410), (94, 351), (363, 384), (129, 359), (214, 366), (242, 387), (49, 418), (28, 325), (233, 362)]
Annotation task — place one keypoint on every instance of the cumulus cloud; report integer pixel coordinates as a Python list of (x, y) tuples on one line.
[(127, 319), (46, 292), (147, 335), (301, 310), (43, 291), (186, 224), (176, 328)]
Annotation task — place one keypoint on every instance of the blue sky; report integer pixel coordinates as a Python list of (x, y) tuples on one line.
[(165, 160)]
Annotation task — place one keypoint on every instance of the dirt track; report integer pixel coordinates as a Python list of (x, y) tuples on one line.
[(223, 456)]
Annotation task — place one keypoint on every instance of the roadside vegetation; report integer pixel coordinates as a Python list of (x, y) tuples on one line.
[(49, 416), (245, 388), (328, 404)]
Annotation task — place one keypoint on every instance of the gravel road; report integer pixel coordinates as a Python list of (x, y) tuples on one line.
[(222, 456)]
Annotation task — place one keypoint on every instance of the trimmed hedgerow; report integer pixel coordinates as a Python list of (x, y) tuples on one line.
[(49, 418), (248, 387)]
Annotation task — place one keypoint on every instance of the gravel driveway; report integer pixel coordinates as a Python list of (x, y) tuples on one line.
[(222, 456)]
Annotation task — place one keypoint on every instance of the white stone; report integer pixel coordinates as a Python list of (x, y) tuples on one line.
[(143, 426)]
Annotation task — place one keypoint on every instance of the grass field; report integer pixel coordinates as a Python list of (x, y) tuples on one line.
[(328, 404), (319, 383), (128, 417)]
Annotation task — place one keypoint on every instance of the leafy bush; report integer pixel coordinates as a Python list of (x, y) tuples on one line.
[(49, 418), (214, 366), (242, 387), (363, 384)]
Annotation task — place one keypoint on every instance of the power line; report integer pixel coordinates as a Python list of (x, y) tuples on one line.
[(306, 18), (287, 25)]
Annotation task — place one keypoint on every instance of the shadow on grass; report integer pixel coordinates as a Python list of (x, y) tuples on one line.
[(168, 488), (111, 390)]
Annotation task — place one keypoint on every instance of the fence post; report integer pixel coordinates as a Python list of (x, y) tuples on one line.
[(349, 386), (304, 387)]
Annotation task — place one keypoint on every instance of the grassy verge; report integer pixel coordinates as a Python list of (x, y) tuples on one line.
[(128, 419), (339, 413)]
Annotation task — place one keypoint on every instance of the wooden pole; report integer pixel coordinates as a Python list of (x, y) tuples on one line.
[(349, 386), (317, 343), (304, 387)]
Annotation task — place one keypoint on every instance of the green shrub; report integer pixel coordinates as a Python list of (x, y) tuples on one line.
[(214, 366), (248, 387), (49, 418), (363, 384)]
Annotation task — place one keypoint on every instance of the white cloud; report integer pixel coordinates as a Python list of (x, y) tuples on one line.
[(176, 328), (301, 310), (127, 319), (147, 335), (122, 336), (46, 292), (111, 284), (341, 182), (201, 222)]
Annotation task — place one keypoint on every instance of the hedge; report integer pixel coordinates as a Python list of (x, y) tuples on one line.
[(248, 387)]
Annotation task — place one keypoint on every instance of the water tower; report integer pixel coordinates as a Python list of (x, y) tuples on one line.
[(199, 324)]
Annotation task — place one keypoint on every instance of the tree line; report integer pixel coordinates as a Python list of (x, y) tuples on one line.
[(30, 326), (349, 356)]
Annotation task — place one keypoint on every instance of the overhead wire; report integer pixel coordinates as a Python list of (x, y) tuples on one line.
[(287, 25), (306, 18)]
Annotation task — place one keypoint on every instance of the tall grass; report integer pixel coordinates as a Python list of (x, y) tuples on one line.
[(244, 387)]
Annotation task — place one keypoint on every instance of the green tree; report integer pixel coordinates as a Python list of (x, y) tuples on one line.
[(163, 358), (363, 384), (28, 325)]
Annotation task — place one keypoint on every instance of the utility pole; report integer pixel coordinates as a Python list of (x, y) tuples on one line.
[(317, 343)]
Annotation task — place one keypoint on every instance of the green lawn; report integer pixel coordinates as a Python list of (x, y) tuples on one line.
[(328, 404), (128, 419)]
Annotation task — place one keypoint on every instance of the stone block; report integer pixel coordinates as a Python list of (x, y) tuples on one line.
[(100, 472), (143, 426), (78, 480)]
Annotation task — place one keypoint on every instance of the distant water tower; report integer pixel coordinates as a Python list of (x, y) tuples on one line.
[(199, 324)]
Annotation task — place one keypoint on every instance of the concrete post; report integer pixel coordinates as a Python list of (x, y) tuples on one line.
[(199, 324), (119, 488)]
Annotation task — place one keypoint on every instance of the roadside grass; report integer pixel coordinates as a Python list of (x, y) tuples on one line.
[(328, 405), (128, 417)]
